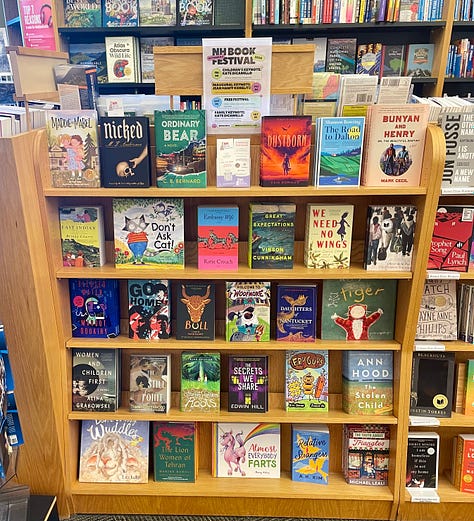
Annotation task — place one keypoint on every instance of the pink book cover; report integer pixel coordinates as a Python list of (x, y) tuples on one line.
[(37, 24)]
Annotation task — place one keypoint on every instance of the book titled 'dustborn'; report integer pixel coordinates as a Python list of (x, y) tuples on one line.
[(150, 385), (310, 453), (195, 311), (248, 383), (422, 460), (296, 313), (200, 382)]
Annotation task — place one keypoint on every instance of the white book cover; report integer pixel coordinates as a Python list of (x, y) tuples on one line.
[(122, 54)]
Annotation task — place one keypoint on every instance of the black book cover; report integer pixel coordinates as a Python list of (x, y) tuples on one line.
[(195, 311), (248, 383)]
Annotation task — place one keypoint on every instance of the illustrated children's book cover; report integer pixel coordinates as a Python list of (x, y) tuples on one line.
[(389, 237), (248, 383), (180, 138), (338, 155), (195, 311), (95, 310), (148, 232), (218, 237), (150, 385), (237, 450), (82, 13), (247, 311), (198, 12), (271, 235), (156, 13), (328, 236), (200, 382), (120, 15), (310, 453), (358, 309), (296, 313), (175, 451), (124, 154), (82, 236), (73, 148), (148, 309), (114, 451), (422, 460), (463, 462), (95, 379), (306, 381), (285, 150)]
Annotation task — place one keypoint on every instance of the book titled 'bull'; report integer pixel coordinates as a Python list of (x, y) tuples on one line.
[(195, 308), (248, 383)]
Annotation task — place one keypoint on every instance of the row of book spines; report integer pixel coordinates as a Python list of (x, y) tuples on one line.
[(463, 11), (460, 59)]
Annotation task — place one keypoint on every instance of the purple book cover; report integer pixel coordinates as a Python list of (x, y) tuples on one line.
[(248, 383), (296, 313)]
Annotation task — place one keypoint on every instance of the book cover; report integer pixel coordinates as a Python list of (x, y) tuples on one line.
[(422, 460), (310, 453), (199, 12), (82, 13), (76, 86), (73, 148), (149, 309), (366, 452), (341, 55), (233, 162), (150, 385), (362, 309), (156, 13), (218, 237), (393, 150), (95, 310), (432, 382), (180, 138), (451, 241), (238, 450), (437, 319), (146, 53), (114, 451), (247, 311), (367, 382), (82, 236), (95, 380), (175, 451), (328, 235), (389, 237), (122, 57), (200, 382), (195, 311), (148, 232), (296, 313), (339, 151), (124, 152), (271, 235), (369, 58), (248, 383), (120, 15), (468, 408), (393, 60), (463, 462), (306, 380), (419, 60), (285, 149), (90, 54)]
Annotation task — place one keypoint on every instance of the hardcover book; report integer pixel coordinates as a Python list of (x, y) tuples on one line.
[(366, 452), (124, 152), (432, 381), (369, 57), (123, 59), (218, 237), (367, 382), (285, 150), (271, 235), (95, 379), (393, 60), (149, 309), (306, 380), (175, 451), (419, 60), (328, 236), (362, 309), (153, 13), (247, 311), (463, 462), (82, 13), (90, 54), (200, 382), (248, 383), (120, 15), (310, 453), (199, 12), (148, 232), (468, 402), (389, 238), (338, 157), (341, 55), (422, 460), (114, 451), (238, 449), (180, 138), (296, 313), (95, 310), (73, 148), (82, 236), (393, 150), (150, 385), (437, 319), (195, 311), (146, 54)]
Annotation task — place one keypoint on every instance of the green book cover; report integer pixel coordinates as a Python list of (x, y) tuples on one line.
[(363, 398), (200, 382)]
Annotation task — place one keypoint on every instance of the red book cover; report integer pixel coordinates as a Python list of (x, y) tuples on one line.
[(285, 150)]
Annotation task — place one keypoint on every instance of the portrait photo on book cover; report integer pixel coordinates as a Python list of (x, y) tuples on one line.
[(395, 160)]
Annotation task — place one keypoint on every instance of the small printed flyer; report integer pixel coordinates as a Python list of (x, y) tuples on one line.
[(236, 77)]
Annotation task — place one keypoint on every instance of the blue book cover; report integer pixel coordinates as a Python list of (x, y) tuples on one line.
[(120, 14), (90, 54), (95, 310), (310, 453), (419, 61), (296, 313), (338, 162)]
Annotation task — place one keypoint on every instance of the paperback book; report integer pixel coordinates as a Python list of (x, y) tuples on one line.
[(468, 402), (200, 382), (248, 383), (199, 12), (195, 311), (369, 58), (341, 55), (120, 15), (90, 54), (310, 453), (150, 385), (422, 460), (296, 313), (156, 13), (463, 462), (122, 55), (419, 60), (146, 54), (393, 60), (82, 13)]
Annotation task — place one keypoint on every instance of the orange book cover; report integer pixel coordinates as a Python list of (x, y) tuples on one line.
[(464, 463)]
